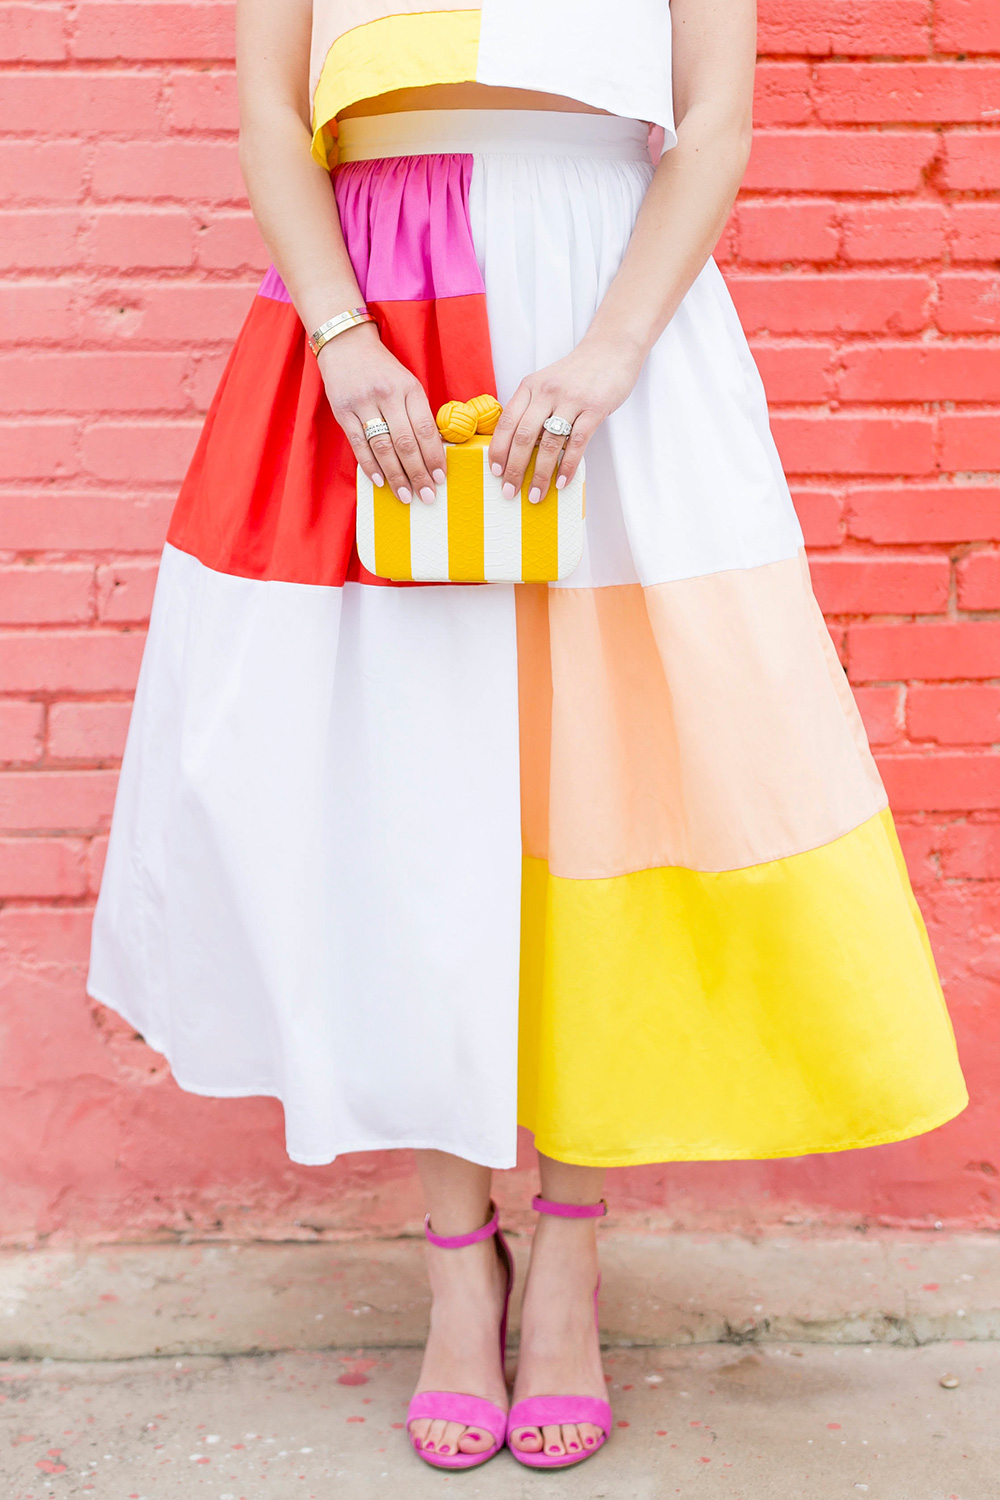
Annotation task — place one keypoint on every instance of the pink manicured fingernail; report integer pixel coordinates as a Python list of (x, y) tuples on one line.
[(496, 469), (508, 491), (439, 476), (427, 495), (377, 479), (534, 495), (404, 495), (561, 482)]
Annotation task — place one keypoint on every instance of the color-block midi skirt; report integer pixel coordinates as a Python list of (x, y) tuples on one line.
[(610, 857)]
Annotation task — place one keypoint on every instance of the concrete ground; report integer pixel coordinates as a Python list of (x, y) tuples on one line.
[(720, 1422)]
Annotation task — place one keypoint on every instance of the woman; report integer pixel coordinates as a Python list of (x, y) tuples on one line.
[(608, 857)]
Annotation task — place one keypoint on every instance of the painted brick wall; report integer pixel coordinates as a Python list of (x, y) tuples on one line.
[(864, 257)]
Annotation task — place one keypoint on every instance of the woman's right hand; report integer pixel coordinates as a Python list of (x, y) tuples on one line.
[(364, 382)]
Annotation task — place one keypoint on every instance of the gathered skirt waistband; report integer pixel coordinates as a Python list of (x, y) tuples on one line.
[(515, 132)]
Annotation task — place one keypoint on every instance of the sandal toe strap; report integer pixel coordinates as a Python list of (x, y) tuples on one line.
[(450, 1406), (555, 1411)]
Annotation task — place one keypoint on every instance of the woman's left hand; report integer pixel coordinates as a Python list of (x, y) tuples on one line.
[(584, 387)]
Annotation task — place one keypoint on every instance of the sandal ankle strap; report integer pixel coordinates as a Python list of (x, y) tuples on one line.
[(459, 1241), (569, 1210)]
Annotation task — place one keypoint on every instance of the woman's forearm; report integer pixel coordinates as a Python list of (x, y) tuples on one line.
[(293, 203), (682, 215)]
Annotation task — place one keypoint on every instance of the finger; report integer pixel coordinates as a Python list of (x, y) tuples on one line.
[(418, 480), (526, 435), (504, 431), (583, 430), (425, 430), (355, 434), (386, 458), (550, 449)]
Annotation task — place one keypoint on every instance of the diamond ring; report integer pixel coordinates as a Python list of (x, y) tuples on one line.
[(558, 426), (378, 427)]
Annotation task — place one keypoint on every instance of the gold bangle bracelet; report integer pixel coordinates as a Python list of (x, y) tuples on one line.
[(329, 330)]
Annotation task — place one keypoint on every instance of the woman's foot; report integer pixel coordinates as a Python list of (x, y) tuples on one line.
[(560, 1353), (468, 1287)]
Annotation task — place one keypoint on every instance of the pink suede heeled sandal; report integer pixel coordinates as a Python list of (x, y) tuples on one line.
[(451, 1406), (545, 1411)]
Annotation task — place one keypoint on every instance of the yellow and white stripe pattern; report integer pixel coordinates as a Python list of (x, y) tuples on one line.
[(471, 534)]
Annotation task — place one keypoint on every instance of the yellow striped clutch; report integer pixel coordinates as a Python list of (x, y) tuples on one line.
[(471, 534)]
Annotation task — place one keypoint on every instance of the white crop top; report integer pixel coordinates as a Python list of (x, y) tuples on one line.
[(613, 54)]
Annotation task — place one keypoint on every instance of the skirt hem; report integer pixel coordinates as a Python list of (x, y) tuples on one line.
[(323, 1159), (646, 1158)]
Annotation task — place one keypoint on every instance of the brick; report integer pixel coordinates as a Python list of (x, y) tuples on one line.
[(88, 522), (966, 26), (946, 782), (202, 101), (971, 851), (968, 302), (59, 801), (39, 171), (38, 240), (180, 169), (148, 452), (938, 513), (824, 161), (31, 868), (803, 303), (92, 382), (22, 727), (971, 159), (37, 450), (894, 231), (970, 442), (854, 443), (125, 591), (979, 581), (820, 514), (34, 594), (920, 372), (143, 239), (822, 28), (960, 714), (204, 378), (795, 372), (882, 711), (975, 231), (172, 313), (39, 935), (62, 103), (63, 661), (97, 853), (781, 94), (88, 731), (781, 231), (864, 585), (32, 33), (153, 31), (946, 652), (919, 842), (35, 312), (230, 242), (900, 93)]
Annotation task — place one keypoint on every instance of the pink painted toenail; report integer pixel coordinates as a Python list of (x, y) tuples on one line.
[(573, 1447), (589, 1442), (429, 1445), (444, 1448), (554, 1449), (473, 1435)]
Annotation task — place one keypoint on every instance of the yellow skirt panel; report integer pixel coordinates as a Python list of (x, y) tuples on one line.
[(787, 1008)]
